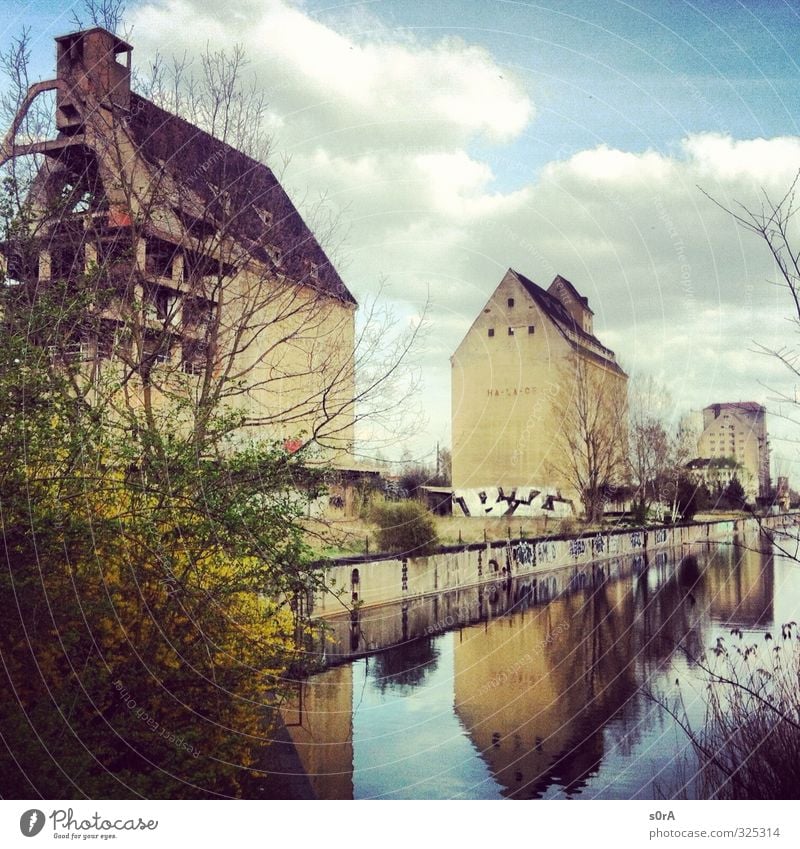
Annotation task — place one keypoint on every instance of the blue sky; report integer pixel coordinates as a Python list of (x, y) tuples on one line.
[(633, 75), (455, 139)]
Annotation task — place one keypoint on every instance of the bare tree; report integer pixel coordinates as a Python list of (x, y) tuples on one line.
[(108, 14), (179, 357), (649, 454), (775, 222), (593, 433), (675, 482)]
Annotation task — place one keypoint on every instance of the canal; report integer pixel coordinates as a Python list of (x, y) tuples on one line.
[(545, 690)]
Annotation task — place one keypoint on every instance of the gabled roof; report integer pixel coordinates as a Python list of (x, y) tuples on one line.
[(566, 324), (210, 189), (201, 163), (558, 280), (712, 463), (746, 406), (120, 46)]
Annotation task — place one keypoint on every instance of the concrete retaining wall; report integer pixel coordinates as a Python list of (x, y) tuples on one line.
[(383, 580)]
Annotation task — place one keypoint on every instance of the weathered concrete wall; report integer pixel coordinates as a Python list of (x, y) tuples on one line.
[(384, 580)]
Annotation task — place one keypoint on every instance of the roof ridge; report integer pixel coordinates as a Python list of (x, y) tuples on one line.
[(196, 158), (566, 318)]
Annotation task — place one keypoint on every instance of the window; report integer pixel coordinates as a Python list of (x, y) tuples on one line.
[(491, 331), (198, 315), (159, 304), (274, 253), (530, 330), (195, 357), (70, 352), (511, 302), (155, 351), (107, 341), (510, 331)]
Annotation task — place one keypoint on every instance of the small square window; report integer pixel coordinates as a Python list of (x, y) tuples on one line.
[(491, 331), (530, 330), (511, 302), (510, 331)]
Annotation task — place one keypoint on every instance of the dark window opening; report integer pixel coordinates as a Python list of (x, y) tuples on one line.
[(198, 315), (107, 341), (511, 302), (510, 331), (71, 49), (159, 258), (491, 331), (155, 351), (22, 260), (160, 304), (530, 330), (195, 225), (195, 357), (66, 262)]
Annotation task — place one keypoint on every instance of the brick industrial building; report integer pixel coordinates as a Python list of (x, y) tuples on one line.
[(216, 279)]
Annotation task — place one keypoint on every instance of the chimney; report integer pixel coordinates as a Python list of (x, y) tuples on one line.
[(96, 66)]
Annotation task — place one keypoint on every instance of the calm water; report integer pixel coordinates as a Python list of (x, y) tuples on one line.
[(530, 697)]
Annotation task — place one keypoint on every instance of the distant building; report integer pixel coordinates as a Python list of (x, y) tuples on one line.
[(718, 472), (738, 431), (512, 375)]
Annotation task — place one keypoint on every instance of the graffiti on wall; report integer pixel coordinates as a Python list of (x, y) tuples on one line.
[(524, 554), (577, 547), (546, 552)]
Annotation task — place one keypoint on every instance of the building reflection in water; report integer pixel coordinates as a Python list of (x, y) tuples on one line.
[(319, 719), (541, 679)]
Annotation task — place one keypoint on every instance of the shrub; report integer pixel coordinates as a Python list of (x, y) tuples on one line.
[(748, 746), (405, 527)]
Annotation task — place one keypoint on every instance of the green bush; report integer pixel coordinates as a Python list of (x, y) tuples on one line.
[(405, 527)]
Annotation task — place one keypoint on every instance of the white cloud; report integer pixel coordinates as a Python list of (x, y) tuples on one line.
[(763, 162), (346, 92), (604, 164)]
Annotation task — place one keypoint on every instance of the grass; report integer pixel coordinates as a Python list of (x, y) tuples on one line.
[(748, 746)]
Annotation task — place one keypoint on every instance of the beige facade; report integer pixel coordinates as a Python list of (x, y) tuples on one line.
[(513, 377), (533, 718), (220, 293), (738, 431)]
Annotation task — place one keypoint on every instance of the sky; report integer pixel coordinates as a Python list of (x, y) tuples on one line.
[(453, 140)]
